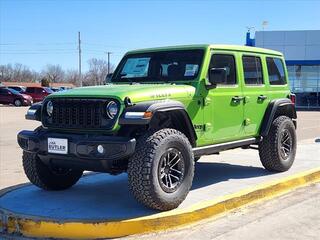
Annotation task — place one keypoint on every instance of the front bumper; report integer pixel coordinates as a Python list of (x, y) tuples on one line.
[(82, 150), (27, 102)]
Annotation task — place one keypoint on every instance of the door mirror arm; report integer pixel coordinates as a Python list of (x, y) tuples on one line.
[(108, 78)]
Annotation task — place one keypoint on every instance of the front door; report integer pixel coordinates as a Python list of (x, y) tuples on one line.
[(224, 103)]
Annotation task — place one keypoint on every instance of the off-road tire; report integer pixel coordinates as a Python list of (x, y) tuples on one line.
[(43, 177), (143, 169), (17, 102), (270, 147)]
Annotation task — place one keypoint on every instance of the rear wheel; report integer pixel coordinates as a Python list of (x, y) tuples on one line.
[(48, 178), (161, 169), (277, 150)]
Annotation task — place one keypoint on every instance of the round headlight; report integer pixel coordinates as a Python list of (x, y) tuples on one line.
[(49, 108), (112, 109)]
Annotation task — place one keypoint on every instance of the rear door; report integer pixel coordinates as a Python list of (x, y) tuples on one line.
[(255, 92), (224, 103)]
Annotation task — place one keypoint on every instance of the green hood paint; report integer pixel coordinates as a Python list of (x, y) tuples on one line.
[(136, 92)]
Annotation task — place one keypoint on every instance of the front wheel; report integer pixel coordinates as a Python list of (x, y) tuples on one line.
[(161, 170), (278, 149), (48, 178), (17, 103)]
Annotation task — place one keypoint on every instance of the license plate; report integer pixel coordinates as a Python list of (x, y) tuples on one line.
[(58, 145)]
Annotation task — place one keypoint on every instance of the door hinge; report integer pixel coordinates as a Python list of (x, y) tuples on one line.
[(207, 127), (247, 121)]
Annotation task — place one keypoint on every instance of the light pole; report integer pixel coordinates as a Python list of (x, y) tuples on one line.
[(264, 25), (79, 51)]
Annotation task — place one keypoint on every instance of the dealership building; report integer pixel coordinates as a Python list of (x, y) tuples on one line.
[(302, 53)]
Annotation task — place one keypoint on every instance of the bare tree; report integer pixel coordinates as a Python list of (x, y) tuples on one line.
[(98, 70), (16, 73), (54, 73), (72, 76), (6, 73)]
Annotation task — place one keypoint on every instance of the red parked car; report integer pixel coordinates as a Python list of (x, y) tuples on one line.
[(38, 93), (11, 96)]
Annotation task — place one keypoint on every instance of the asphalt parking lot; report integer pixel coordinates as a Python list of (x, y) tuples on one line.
[(223, 174), (12, 121)]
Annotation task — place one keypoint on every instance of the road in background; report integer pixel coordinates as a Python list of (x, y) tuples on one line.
[(308, 125)]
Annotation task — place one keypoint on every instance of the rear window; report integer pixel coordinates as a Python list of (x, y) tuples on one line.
[(276, 71), (252, 70)]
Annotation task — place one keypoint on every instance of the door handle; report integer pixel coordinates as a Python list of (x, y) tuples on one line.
[(237, 99), (262, 97)]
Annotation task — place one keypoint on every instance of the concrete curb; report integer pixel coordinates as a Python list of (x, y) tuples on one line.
[(30, 226)]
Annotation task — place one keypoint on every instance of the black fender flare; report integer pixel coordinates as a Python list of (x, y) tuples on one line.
[(165, 106), (282, 106), (34, 112)]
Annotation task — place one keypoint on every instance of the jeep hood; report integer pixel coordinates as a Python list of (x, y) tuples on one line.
[(136, 92)]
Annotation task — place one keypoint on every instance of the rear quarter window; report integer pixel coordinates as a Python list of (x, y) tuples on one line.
[(276, 71)]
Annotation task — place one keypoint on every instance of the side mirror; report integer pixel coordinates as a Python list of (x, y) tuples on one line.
[(9, 93), (217, 76), (108, 78)]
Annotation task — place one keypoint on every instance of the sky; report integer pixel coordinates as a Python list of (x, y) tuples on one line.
[(37, 33)]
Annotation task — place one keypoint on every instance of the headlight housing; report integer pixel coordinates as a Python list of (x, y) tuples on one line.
[(112, 109), (49, 108)]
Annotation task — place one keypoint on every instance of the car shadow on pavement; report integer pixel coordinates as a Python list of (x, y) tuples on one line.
[(208, 173), (105, 197)]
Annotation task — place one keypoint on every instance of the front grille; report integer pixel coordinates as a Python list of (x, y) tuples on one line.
[(77, 113)]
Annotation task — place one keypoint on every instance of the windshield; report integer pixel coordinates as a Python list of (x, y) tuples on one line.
[(13, 91), (48, 90), (179, 65)]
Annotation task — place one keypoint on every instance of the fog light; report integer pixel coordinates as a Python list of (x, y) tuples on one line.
[(100, 149)]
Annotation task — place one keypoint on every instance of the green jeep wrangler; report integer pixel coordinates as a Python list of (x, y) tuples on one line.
[(161, 110)]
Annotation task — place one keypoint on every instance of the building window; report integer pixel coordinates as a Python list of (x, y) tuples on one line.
[(252, 70), (305, 83), (276, 71)]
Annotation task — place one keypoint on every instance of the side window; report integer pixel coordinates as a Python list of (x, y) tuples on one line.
[(30, 90), (3, 91), (227, 62), (38, 90), (252, 70), (276, 71)]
